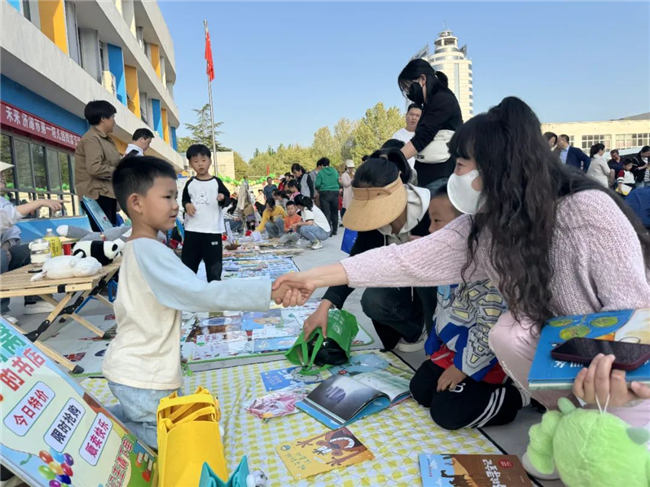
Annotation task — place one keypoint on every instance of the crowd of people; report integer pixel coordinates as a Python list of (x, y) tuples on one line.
[(469, 237)]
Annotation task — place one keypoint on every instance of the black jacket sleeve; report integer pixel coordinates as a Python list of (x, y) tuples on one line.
[(586, 161), (365, 241), (186, 194), (310, 183), (442, 113), (224, 191)]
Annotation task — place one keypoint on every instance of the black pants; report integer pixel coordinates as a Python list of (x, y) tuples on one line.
[(10, 259), (109, 206), (206, 247), (329, 203), (470, 405), (428, 173), (397, 313)]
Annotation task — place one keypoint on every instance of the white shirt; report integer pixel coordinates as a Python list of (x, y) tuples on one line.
[(134, 147), (154, 287), (209, 214), (318, 216), (405, 136), (599, 170)]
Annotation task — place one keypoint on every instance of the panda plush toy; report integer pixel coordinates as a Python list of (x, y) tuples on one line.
[(104, 252)]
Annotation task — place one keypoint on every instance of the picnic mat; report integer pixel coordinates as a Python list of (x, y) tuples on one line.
[(395, 436), (235, 335)]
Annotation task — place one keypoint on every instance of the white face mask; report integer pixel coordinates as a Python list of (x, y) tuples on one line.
[(461, 193)]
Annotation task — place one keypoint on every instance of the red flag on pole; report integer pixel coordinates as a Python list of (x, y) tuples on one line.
[(208, 56)]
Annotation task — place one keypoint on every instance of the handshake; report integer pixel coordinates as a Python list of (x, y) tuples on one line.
[(292, 289)]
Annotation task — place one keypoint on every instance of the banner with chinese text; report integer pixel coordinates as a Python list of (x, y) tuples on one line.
[(54, 434)]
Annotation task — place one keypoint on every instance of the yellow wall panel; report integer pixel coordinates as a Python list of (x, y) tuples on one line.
[(165, 125), (52, 17), (155, 58), (132, 89)]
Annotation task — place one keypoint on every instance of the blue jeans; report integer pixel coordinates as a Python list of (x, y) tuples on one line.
[(137, 410), (313, 233), (275, 228)]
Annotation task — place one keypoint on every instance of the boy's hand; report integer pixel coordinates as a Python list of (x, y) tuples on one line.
[(190, 209), (220, 197), (450, 378)]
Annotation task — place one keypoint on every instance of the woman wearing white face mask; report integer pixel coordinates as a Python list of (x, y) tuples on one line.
[(543, 232)]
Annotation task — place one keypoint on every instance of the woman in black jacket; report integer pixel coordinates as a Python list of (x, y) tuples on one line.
[(441, 116)]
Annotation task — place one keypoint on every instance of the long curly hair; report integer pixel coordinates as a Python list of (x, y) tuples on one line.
[(522, 185)]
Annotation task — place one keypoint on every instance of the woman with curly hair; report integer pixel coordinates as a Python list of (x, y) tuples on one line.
[(542, 232)]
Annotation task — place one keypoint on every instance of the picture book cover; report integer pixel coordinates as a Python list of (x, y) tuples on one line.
[(54, 433), (277, 379), (452, 470), (625, 325), (341, 399), (322, 453)]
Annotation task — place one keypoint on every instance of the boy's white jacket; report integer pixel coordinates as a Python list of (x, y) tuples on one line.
[(417, 205), (155, 286)]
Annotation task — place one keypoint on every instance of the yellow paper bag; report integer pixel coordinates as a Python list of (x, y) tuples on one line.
[(188, 436)]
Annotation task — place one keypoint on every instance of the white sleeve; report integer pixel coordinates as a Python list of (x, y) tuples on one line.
[(9, 215), (177, 287)]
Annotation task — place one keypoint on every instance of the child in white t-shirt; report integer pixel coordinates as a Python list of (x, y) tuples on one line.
[(314, 225), (143, 363)]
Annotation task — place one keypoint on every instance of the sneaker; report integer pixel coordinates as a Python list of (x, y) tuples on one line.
[(38, 307), (11, 319), (528, 467), (404, 346), (317, 245)]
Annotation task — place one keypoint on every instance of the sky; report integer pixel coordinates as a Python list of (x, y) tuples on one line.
[(283, 70)]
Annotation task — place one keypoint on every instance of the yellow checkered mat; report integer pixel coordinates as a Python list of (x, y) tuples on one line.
[(395, 436)]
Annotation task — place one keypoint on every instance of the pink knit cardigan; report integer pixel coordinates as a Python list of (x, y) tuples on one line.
[(596, 257)]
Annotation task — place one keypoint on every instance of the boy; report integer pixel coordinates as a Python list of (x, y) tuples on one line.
[(142, 363), (462, 383), (292, 218), (204, 200)]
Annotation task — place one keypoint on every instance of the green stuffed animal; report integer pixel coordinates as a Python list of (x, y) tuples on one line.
[(589, 448)]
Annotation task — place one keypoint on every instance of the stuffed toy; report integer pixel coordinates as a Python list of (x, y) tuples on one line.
[(589, 448), (65, 266), (104, 252)]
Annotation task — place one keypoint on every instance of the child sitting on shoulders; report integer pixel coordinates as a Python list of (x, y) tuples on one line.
[(143, 362), (462, 383)]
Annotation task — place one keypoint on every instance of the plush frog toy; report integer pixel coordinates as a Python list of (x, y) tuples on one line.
[(589, 448)]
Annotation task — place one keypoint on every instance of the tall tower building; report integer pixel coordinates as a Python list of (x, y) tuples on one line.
[(453, 61)]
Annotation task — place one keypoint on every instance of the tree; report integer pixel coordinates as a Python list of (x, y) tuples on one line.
[(344, 138), (200, 131), (324, 144), (375, 128), (241, 167)]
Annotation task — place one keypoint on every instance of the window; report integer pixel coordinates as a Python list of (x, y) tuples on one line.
[(40, 171), (640, 139), (449, 42), (589, 140)]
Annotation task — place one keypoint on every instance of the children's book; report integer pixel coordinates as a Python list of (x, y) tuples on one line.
[(274, 380), (624, 325), (448, 470), (322, 453), (341, 399)]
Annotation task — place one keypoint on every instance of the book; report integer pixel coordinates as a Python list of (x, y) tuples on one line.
[(276, 379), (322, 453), (341, 399), (450, 469), (624, 325)]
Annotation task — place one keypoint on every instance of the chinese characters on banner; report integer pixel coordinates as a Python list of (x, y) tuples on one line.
[(53, 431), (30, 124)]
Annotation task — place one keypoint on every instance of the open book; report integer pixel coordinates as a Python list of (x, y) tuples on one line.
[(624, 325), (341, 399)]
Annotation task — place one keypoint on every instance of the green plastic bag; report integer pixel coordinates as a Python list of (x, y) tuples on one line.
[(317, 354)]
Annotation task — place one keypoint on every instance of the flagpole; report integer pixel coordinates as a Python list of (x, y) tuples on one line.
[(214, 142)]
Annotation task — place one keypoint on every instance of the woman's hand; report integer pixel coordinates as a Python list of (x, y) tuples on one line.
[(599, 381), (318, 319), (293, 289)]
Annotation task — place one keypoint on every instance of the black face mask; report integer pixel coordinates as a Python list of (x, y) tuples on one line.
[(415, 94)]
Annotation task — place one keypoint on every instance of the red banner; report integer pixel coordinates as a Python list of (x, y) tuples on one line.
[(25, 122), (208, 56)]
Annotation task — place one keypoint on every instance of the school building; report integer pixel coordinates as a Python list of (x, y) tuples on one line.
[(56, 56), (624, 133)]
